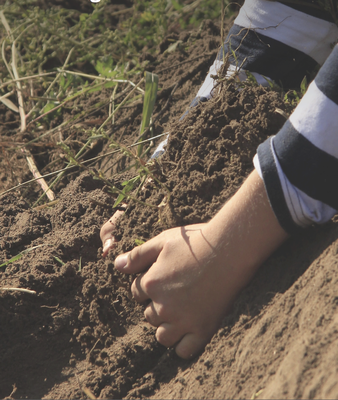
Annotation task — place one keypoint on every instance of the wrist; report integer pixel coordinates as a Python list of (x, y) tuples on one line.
[(245, 232)]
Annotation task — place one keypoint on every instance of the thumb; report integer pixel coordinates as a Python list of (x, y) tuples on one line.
[(141, 257)]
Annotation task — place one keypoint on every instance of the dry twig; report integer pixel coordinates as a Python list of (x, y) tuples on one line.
[(18, 290), (30, 160)]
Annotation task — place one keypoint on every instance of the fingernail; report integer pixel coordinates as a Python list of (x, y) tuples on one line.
[(107, 244), (121, 261)]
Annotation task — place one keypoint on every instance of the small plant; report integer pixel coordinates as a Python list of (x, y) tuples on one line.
[(59, 260), (148, 105), (18, 256), (143, 174)]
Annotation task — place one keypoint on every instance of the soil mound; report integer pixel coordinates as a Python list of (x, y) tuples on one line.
[(81, 335)]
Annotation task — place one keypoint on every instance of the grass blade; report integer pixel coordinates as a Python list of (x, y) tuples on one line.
[(8, 103), (18, 256), (148, 104)]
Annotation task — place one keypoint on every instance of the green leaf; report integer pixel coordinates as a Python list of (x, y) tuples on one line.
[(120, 198), (109, 85), (66, 81), (128, 187), (18, 256), (58, 260), (303, 85), (49, 106), (148, 103), (176, 5), (251, 78), (83, 17), (62, 81), (95, 89), (105, 68)]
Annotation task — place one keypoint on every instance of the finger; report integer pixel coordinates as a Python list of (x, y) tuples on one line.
[(141, 257), (168, 335), (137, 289), (151, 315), (106, 233), (191, 345), (109, 226), (108, 245)]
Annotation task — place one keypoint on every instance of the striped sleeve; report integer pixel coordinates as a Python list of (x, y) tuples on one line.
[(299, 165)]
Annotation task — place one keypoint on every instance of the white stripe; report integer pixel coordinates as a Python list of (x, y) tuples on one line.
[(209, 83), (303, 209), (160, 148), (316, 118), (313, 36), (243, 75)]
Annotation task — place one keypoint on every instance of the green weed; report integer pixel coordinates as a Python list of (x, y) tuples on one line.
[(18, 256), (59, 260), (148, 104)]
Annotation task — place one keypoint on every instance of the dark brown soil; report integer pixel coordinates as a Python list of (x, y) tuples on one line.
[(81, 331)]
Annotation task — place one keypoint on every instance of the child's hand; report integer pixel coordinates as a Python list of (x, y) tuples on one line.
[(187, 284), (192, 274)]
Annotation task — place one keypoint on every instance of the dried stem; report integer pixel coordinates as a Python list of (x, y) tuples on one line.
[(121, 104), (34, 170), (18, 290), (30, 160), (83, 162)]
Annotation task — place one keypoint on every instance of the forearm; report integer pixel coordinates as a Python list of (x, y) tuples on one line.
[(245, 232)]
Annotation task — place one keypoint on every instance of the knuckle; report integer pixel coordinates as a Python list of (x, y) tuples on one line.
[(148, 287), (161, 311), (135, 255), (169, 246), (149, 284), (185, 350), (104, 231)]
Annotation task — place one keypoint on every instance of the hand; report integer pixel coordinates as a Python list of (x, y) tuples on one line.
[(186, 283), (192, 274)]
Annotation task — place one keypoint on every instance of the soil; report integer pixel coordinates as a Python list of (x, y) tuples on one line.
[(81, 335)]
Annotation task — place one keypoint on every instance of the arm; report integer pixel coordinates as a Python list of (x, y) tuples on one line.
[(274, 41), (300, 164), (197, 271)]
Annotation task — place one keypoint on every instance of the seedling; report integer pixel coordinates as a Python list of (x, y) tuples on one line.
[(148, 104), (59, 260), (138, 242), (18, 256)]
